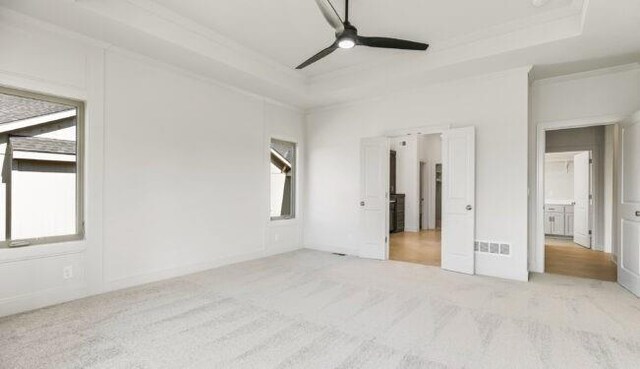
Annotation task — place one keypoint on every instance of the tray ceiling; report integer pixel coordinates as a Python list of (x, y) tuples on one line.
[(289, 31)]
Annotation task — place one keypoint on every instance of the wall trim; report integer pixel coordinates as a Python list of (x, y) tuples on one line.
[(588, 74), (165, 274), (66, 293), (351, 251), (537, 254)]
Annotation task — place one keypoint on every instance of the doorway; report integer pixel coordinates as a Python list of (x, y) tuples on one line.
[(415, 234), (458, 194), (577, 179)]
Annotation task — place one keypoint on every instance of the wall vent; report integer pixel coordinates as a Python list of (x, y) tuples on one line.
[(490, 247)]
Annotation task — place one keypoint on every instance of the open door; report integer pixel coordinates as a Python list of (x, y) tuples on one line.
[(629, 206), (374, 198), (582, 198), (458, 200)]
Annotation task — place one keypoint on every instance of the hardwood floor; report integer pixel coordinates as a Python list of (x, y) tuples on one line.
[(416, 247), (576, 261), (563, 257)]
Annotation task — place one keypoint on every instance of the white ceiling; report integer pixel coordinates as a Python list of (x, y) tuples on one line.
[(255, 44), (290, 31)]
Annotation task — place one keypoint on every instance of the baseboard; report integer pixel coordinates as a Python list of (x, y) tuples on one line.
[(62, 294), (332, 249), (191, 269), (40, 299)]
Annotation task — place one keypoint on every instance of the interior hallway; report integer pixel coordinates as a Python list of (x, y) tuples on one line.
[(568, 258), (422, 247)]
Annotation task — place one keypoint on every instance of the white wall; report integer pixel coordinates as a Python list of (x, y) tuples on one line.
[(497, 105), (601, 95), (177, 174), (430, 153), (558, 181)]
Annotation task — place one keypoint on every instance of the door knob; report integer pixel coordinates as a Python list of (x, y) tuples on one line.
[(361, 203), (638, 213), (469, 207)]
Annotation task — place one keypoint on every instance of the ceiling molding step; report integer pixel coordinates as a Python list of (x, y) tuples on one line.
[(203, 78), (157, 21), (576, 11), (380, 95), (26, 23), (588, 74), (556, 25)]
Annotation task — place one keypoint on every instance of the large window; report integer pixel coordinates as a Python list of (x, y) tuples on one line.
[(283, 179), (40, 166)]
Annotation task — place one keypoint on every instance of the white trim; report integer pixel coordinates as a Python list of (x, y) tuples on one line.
[(422, 130), (351, 251), (81, 289), (417, 131), (186, 270), (588, 74), (158, 63), (537, 254), (49, 250), (24, 123)]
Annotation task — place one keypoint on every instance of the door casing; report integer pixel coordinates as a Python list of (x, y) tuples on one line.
[(537, 238)]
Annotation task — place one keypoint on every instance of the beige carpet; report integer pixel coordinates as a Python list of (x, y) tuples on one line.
[(315, 310)]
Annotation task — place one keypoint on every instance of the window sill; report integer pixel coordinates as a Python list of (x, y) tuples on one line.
[(16, 254), (279, 222)]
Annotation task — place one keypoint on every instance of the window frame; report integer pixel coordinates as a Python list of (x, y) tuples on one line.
[(80, 178), (294, 182)]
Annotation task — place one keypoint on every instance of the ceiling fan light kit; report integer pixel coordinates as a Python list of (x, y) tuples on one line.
[(347, 35)]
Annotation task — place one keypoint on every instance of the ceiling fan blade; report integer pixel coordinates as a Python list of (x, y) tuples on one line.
[(318, 56), (331, 15), (391, 43)]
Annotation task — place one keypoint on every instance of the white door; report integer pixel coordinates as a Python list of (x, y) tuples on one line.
[(582, 199), (458, 200), (629, 207), (374, 199)]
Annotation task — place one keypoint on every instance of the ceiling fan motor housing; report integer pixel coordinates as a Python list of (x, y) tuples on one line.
[(350, 33)]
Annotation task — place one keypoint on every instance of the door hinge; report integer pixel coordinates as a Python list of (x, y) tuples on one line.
[(589, 232), (590, 197), (590, 161), (386, 239)]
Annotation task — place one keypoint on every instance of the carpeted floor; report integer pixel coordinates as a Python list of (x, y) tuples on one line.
[(310, 310)]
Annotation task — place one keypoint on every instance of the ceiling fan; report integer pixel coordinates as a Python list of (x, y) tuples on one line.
[(347, 35)]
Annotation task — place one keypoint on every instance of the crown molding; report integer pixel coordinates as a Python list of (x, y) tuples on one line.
[(545, 28), (152, 19), (588, 74)]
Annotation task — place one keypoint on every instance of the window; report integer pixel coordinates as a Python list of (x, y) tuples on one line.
[(283, 179), (40, 169)]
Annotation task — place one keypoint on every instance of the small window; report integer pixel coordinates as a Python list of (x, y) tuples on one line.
[(40, 166), (283, 179)]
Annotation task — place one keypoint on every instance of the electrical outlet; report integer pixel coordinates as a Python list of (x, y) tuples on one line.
[(67, 272)]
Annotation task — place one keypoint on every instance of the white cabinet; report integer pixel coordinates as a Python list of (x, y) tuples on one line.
[(568, 224), (558, 220)]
